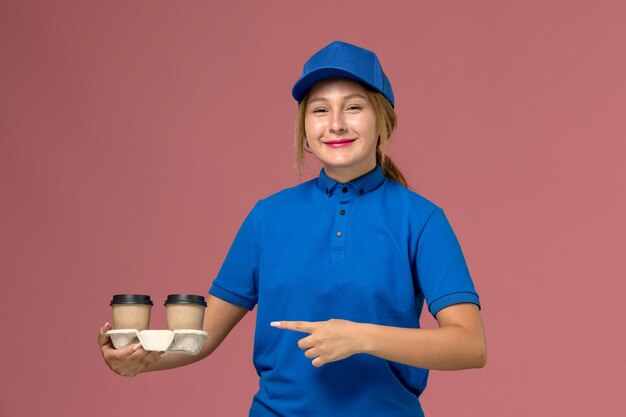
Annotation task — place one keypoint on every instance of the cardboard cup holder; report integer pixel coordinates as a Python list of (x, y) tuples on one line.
[(176, 341)]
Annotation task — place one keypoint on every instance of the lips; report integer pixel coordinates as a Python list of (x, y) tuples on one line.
[(339, 143)]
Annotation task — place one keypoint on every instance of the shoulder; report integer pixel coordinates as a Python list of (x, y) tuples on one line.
[(287, 197), (408, 200)]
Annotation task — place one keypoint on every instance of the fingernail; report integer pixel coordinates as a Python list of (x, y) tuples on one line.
[(162, 354), (106, 324), (136, 346), (275, 324)]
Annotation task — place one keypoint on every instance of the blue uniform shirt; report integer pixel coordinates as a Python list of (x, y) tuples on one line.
[(368, 251)]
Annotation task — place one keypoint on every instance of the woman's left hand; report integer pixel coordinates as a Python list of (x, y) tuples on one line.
[(328, 341)]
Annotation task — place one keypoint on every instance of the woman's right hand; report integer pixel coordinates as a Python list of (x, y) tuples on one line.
[(129, 361)]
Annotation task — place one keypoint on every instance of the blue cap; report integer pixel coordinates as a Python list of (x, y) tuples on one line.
[(343, 60)]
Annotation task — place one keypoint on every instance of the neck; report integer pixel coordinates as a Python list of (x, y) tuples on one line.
[(347, 174)]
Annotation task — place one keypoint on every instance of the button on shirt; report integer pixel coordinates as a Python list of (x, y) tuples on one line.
[(368, 251)]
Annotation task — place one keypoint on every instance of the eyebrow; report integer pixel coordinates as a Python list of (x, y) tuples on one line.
[(345, 97)]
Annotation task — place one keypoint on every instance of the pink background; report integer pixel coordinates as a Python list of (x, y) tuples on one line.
[(135, 136)]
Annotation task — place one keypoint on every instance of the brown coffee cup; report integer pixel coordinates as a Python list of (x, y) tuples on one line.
[(131, 311), (185, 311)]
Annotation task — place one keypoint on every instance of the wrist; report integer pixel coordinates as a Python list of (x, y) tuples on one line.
[(363, 337)]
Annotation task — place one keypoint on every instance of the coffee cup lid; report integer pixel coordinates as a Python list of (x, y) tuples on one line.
[(185, 299), (131, 299)]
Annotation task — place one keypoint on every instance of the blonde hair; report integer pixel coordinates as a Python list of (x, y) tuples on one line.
[(386, 121)]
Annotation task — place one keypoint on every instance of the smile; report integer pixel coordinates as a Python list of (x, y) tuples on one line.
[(340, 143)]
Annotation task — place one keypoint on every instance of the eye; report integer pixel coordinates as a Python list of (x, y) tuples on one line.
[(319, 110), (354, 107)]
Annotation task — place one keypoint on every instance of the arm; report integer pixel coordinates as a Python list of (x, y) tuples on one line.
[(458, 342), (219, 319)]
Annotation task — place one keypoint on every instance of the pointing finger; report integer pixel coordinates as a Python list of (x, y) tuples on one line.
[(298, 326)]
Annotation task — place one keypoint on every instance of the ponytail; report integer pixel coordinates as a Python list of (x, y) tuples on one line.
[(386, 121), (390, 170)]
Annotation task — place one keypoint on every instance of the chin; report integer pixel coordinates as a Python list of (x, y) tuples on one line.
[(340, 164)]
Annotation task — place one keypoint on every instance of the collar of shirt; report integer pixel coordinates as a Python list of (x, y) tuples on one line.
[(361, 185)]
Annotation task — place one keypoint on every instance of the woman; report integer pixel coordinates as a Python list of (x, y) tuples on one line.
[(339, 267)]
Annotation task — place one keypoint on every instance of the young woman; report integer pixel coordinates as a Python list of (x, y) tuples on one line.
[(339, 267)]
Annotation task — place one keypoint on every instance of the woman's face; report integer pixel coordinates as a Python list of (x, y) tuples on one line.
[(340, 126)]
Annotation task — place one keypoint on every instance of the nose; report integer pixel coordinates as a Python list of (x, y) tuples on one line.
[(337, 122)]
